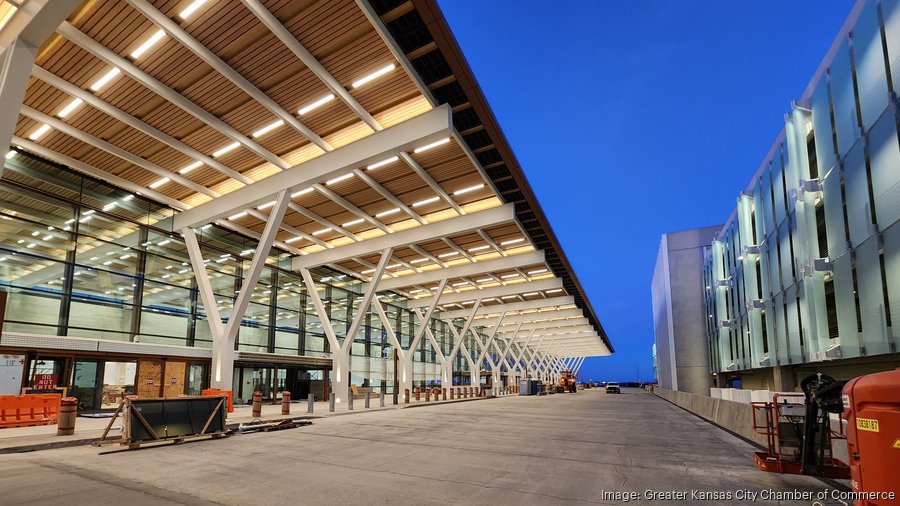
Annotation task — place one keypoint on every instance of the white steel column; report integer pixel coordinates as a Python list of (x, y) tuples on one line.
[(340, 352), (224, 337), (423, 324)]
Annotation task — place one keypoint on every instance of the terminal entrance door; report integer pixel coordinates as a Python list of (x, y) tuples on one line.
[(85, 385)]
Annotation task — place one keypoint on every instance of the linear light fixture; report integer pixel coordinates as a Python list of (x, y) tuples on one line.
[(316, 104), (189, 167), (386, 161), (512, 241), (479, 248), (461, 283), (37, 134), (388, 212), (555, 290), (106, 78), (441, 142), (9, 154), (484, 280), (159, 182), (322, 231), (301, 192), (237, 216), (367, 271), (508, 276), (227, 149), (69, 108), (339, 179), (418, 261), (190, 9), (266, 205), (451, 254), (268, 128), (426, 202), (156, 37), (539, 271), (293, 239), (468, 189), (374, 75), (351, 223)]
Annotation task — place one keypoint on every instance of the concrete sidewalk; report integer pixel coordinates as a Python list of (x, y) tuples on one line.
[(87, 429)]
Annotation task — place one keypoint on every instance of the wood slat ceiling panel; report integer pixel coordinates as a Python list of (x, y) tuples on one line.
[(323, 27), (305, 88), (386, 92), (282, 141), (224, 26)]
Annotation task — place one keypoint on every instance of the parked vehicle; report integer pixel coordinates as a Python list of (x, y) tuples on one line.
[(613, 388)]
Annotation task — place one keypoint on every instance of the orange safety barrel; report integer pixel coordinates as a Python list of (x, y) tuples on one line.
[(872, 411)]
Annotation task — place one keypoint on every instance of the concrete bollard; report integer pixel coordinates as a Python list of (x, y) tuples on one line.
[(68, 409), (368, 395), (427, 395), (285, 403), (406, 396), (310, 402), (257, 404), (350, 402), (418, 393), (444, 394), (381, 399), (331, 403)]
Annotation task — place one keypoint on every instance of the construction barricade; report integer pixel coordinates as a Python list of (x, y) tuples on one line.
[(29, 409)]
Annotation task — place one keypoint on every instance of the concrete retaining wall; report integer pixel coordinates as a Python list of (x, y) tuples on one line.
[(734, 416)]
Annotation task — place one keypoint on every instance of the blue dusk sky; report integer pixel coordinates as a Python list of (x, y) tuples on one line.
[(633, 119)]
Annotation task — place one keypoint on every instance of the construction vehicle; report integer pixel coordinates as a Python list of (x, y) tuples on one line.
[(865, 412), (566, 382)]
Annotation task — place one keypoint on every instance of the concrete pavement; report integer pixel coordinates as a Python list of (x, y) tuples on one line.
[(585, 448)]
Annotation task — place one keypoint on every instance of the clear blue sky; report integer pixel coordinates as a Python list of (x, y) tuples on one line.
[(633, 119)]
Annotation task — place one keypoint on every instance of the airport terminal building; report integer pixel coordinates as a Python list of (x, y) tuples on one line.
[(805, 275), (265, 195)]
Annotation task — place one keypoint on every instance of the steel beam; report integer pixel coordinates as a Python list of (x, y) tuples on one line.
[(492, 292), (422, 129), (514, 306), (466, 270), (424, 233)]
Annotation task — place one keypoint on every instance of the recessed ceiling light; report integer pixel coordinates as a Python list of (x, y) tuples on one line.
[(468, 189), (388, 212), (156, 37), (351, 223), (322, 231), (316, 104), (237, 216), (266, 205), (378, 165), (339, 179), (159, 182), (445, 255), (432, 145), (227, 149), (69, 108), (539, 271), (374, 75), (512, 241), (418, 261), (190, 9), (106, 78), (479, 248), (508, 276), (292, 239), (190, 167), (301, 192), (268, 128), (39, 132), (426, 201)]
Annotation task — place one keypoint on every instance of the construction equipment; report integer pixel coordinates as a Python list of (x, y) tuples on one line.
[(872, 408), (566, 382), (800, 429)]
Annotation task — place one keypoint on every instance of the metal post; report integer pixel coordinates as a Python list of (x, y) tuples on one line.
[(310, 402), (331, 403), (350, 401), (368, 395), (381, 399)]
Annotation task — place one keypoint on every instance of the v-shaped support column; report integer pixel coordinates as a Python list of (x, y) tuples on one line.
[(340, 352), (224, 335)]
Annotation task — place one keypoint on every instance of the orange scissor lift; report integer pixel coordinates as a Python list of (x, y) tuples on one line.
[(784, 423)]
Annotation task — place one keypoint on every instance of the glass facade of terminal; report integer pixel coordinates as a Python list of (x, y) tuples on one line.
[(808, 268), (82, 258)]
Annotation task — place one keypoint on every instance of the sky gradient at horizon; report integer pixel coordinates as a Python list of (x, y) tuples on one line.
[(631, 120)]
